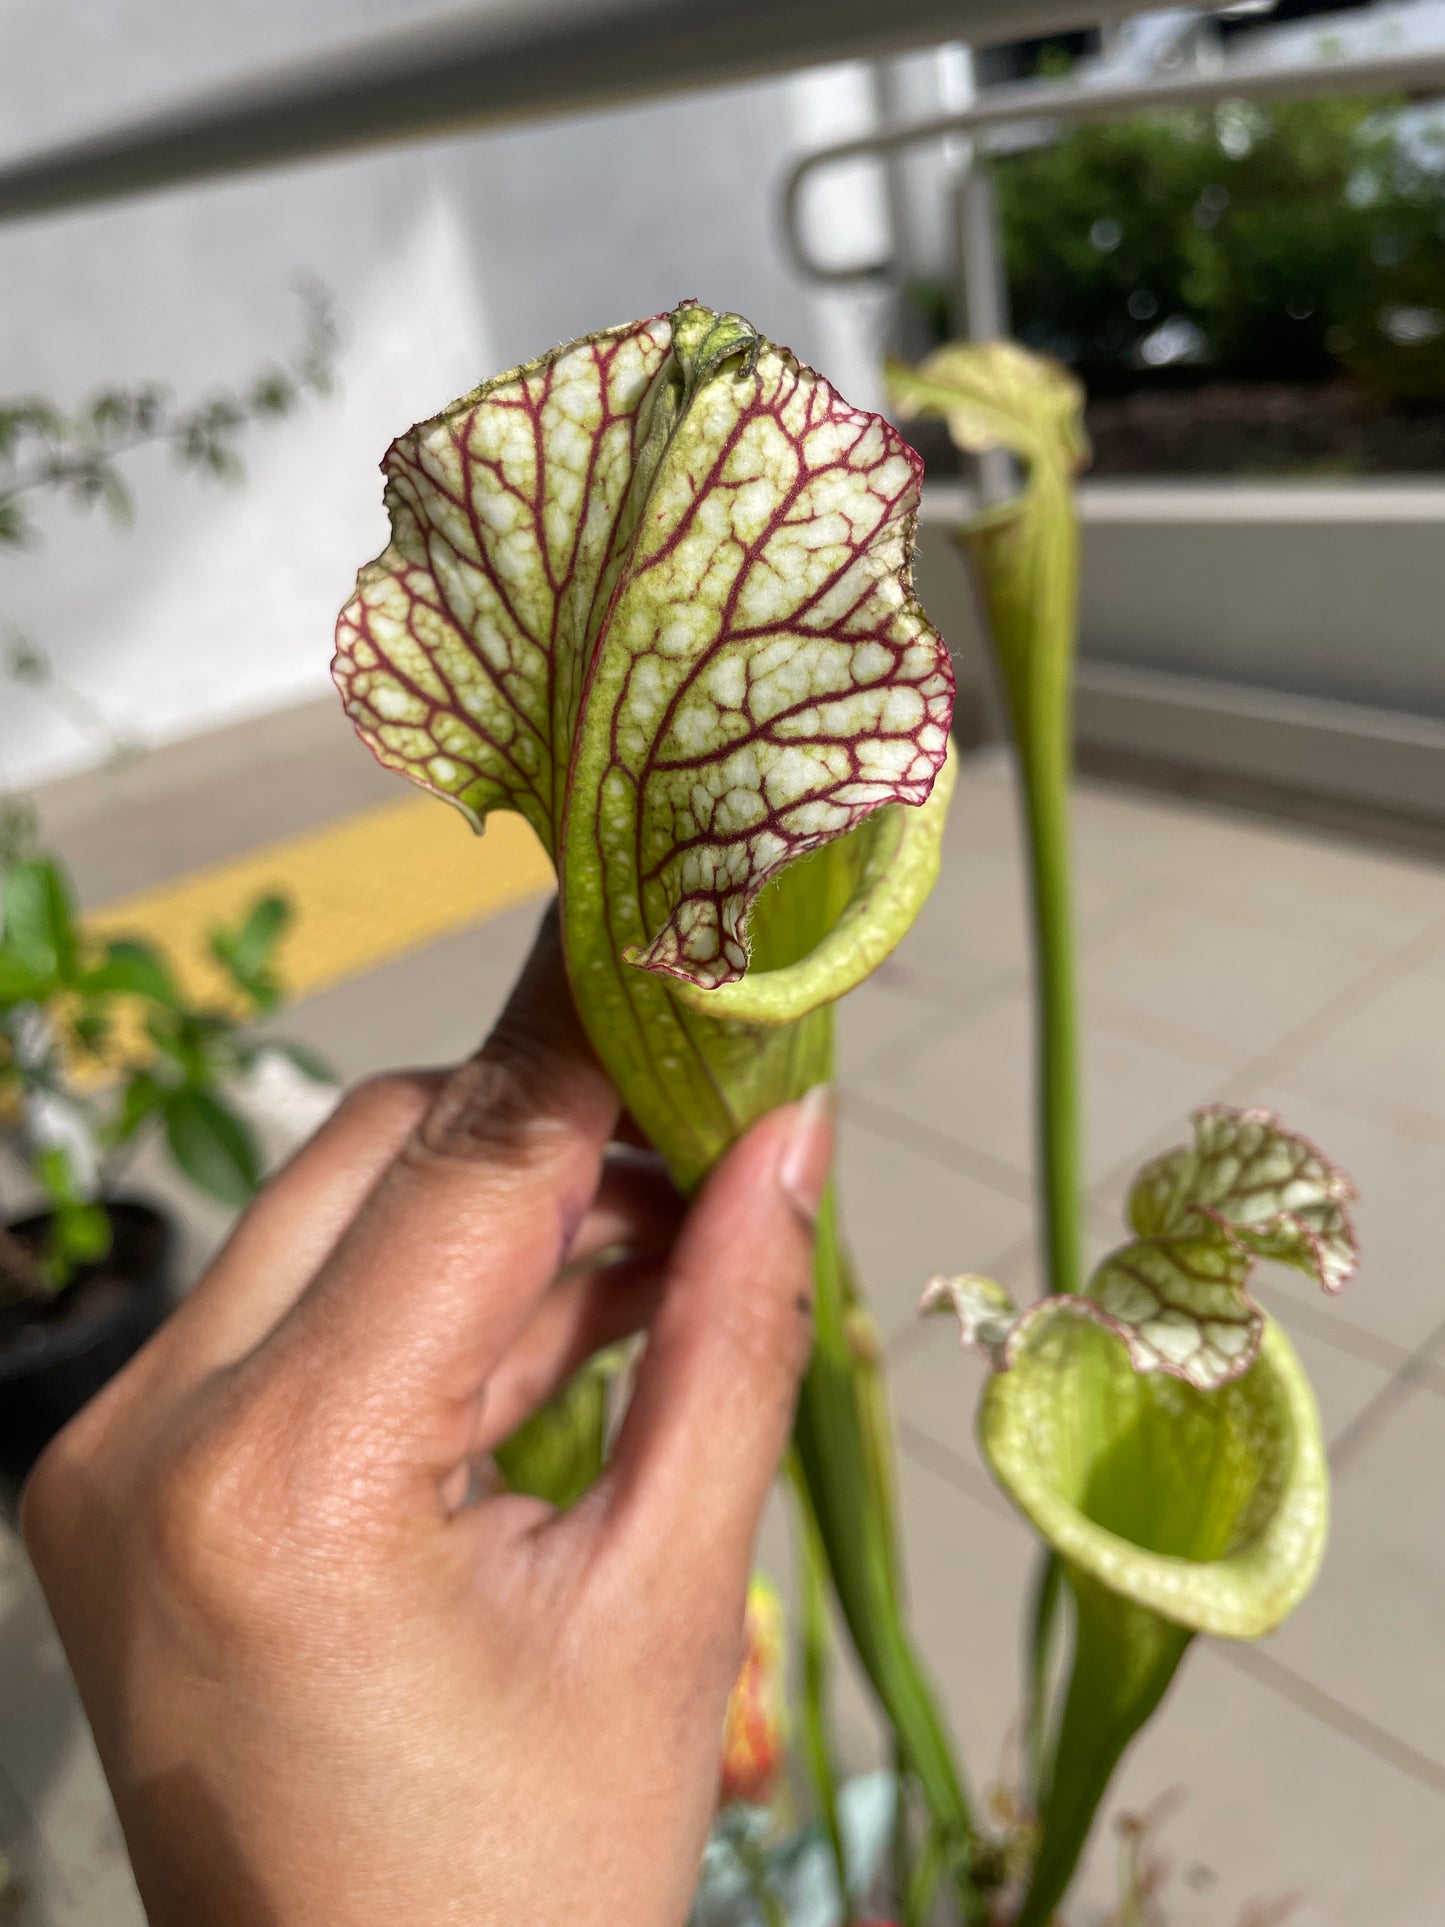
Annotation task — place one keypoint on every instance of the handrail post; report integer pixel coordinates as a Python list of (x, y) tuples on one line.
[(981, 296)]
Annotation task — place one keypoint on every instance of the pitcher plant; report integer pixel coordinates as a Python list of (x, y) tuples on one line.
[(653, 592)]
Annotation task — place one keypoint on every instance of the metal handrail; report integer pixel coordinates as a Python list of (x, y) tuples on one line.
[(507, 62), (1076, 103)]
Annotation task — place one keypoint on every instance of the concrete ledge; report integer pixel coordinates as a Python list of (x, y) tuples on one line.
[(1368, 756), (1193, 596), (1157, 503)]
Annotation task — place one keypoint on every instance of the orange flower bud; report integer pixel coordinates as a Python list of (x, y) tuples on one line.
[(755, 1729)]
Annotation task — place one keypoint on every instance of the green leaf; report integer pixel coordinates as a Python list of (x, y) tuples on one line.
[(261, 930), (247, 953), (110, 489), (91, 1027), (213, 1146), (27, 664), (273, 393), (163, 1029), (80, 1233), (21, 982), (133, 969), (39, 929), (55, 1172), (141, 1098), (558, 1453)]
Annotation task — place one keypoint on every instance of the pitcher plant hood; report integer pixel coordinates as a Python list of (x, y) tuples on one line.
[(652, 591)]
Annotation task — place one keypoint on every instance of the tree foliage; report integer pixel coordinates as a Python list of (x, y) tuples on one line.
[(1294, 242)]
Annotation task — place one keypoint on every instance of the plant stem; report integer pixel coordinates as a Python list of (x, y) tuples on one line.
[(857, 1533), (921, 1887), (1045, 768), (1043, 1630), (817, 1654), (760, 1888), (900, 1842), (1124, 1659)]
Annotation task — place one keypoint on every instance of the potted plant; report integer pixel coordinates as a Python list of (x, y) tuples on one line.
[(101, 1046)]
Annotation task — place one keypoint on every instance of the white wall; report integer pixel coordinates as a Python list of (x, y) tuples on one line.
[(448, 262)]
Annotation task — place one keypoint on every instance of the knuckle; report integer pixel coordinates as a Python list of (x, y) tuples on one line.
[(77, 1466), (215, 1523), (508, 1101), (267, 1513), (47, 1501), (195, 1508)]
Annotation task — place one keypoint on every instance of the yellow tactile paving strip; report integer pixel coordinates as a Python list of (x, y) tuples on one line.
[(372, 887)]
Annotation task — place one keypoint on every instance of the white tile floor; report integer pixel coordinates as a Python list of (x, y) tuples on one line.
[(1223, 957)]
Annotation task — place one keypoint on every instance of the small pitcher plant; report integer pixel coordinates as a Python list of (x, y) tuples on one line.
[(653, 592)]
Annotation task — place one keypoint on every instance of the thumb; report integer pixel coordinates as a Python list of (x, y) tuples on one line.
[(713, 1404)]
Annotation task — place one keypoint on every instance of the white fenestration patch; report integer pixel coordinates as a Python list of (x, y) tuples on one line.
[(782, 524), (461, 656)]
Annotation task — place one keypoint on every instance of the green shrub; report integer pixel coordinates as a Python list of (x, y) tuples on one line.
[(1299, 241)]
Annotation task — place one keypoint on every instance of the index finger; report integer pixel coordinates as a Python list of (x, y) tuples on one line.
[(453, 1249)]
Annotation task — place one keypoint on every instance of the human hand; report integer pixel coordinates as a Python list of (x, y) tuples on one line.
[(328, 1691)]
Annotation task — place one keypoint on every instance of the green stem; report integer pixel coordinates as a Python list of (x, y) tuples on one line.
[(839, 1464), (1045, 766), (1124, 1659), (1044, 1626), (921, 1887), (900, 1842), (760, 1888), (817, 1656)]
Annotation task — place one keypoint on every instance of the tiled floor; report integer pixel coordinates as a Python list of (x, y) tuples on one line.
[(1223, 958)]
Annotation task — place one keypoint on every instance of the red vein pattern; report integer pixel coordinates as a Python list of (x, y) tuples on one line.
[(1272, 1187), (1246, 1189), (780, 683), (706, 645), (462, 655)]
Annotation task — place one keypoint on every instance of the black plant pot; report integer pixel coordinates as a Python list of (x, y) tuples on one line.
[(55, 1357)]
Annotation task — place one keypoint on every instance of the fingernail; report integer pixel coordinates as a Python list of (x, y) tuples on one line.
[(808, 1154)]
